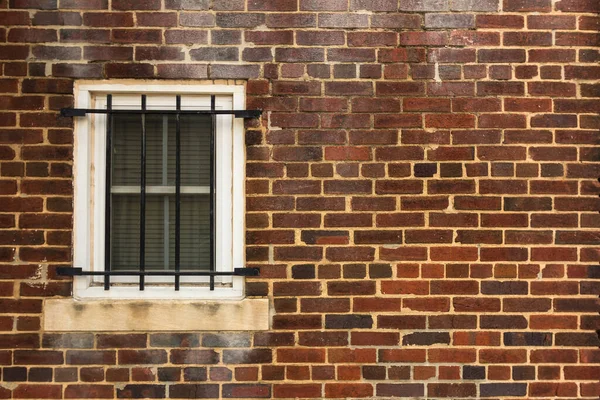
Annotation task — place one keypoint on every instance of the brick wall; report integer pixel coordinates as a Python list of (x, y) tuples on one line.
[(422, 195)]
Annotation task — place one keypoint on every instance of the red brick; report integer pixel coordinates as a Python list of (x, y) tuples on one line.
[(401, 55), (32, 391), (500, 21), (551, 89), (449, 121), (294, 390), (500, 356), (451, 355), (431, 38)]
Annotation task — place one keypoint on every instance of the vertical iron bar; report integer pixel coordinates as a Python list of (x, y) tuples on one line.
[(177, 190), (166, 198), (108, 196), (143, 198), (213, 183)]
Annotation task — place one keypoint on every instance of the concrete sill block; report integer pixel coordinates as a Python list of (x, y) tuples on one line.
[(70, 315)]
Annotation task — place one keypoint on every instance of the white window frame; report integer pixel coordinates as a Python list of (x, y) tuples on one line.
[(90, 181)]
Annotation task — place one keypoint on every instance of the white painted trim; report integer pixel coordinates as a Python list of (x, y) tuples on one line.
[(89, 182)]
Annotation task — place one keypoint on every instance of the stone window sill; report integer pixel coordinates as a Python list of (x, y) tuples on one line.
[(71, 315)]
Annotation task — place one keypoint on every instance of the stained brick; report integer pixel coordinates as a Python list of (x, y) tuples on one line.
[(140, 391), (350, 20)]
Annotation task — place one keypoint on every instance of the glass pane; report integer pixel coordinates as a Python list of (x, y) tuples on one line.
[(125, 232), (157, 149), (195, 232), (157, 221), (195, 150), (160, 150), (127, 150), (160, 208), (160, 232)]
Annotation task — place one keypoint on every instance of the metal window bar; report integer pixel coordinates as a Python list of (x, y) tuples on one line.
[(108, 199), (143, 198), (142, 273), (177, 190), (213, 182), (74, 271), (82, 112)]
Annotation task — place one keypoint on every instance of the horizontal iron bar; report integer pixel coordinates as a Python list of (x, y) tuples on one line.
[(81, 112), (69, 271)]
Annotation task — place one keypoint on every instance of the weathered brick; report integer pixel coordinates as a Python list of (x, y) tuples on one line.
[(426, 5), (349, 20), (449, 20)]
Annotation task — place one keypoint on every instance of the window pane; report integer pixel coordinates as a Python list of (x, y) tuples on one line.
[(160, 208), (160, 150), (160, 229), (158, 162), (127, 150), (195, 232), (195, 150), (125, 232)]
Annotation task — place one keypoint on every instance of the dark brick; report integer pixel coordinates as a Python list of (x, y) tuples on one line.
[(40, 375), (502, 389), (124, 341), (304, 271), (527, 338), (472, 372), (193, 374), (577, 339), (503, 322), (194, 391), (241, 390), (523, 373), (14, 374), (504, 287), (349, 321)]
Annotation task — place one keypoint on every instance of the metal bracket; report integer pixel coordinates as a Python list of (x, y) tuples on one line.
[(248, 114), (72, 112)]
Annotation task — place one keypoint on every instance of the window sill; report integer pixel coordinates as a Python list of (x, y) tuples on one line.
[(71, 315)]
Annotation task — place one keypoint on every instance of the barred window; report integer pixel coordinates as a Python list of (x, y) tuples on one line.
[(159, 191)]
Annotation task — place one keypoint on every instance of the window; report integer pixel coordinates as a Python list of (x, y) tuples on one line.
[(136, 212)]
